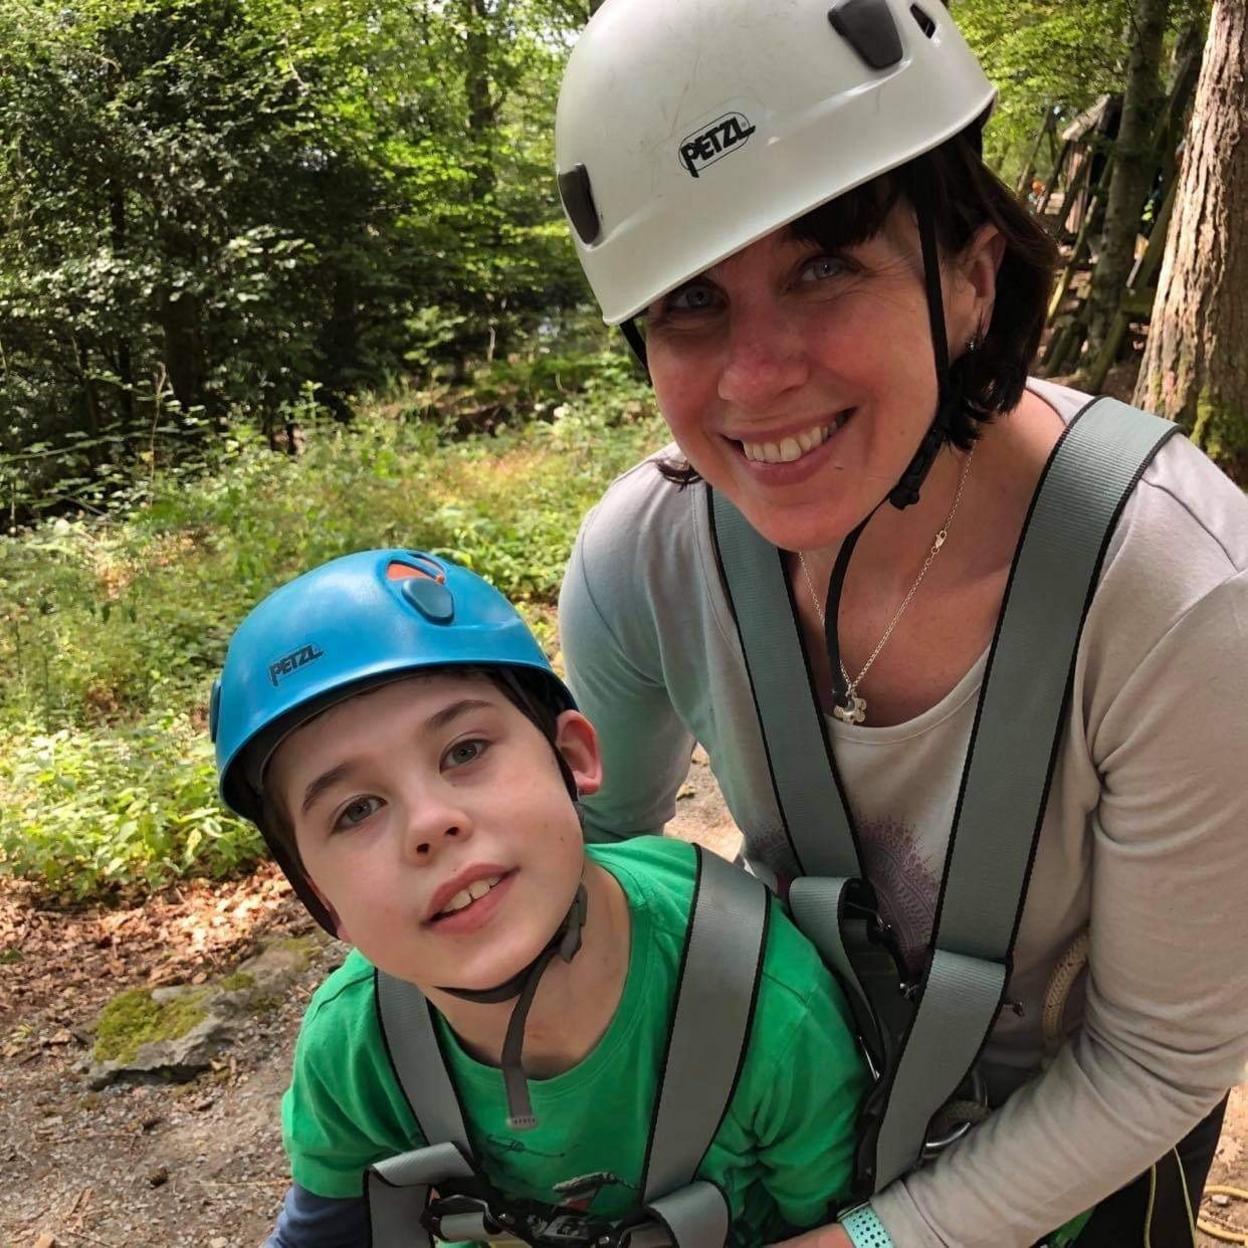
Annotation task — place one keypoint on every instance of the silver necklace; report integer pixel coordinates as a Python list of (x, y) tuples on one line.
[(853, 710)]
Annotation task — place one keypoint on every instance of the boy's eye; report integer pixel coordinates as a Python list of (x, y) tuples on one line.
[(357, 810), (464, 752)]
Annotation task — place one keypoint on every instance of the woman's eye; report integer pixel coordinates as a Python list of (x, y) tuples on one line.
[(692, 297), (356, 811), (821, 268), (464, 752)]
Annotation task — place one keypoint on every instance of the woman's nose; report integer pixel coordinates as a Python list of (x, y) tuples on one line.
[(765, 361)]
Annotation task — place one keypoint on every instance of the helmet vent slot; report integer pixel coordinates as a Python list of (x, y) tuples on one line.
[(926, 24), (578, 200), (868, 27)]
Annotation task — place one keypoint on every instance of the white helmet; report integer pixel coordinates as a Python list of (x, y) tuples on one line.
[(688, 129)]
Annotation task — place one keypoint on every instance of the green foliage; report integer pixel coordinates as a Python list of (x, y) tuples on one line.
[(88, 809), (1050, 54), (111, 628), (216, 210)]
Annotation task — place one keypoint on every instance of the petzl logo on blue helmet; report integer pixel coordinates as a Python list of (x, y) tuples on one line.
[(297, 658), (725, 135)]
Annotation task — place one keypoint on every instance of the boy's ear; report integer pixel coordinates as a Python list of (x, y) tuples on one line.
[(577, 742)]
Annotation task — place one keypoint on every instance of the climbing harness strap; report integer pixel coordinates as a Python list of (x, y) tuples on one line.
[(708, 1037), (922, 1039)]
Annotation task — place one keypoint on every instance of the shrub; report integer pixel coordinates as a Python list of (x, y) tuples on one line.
[(111, 628)]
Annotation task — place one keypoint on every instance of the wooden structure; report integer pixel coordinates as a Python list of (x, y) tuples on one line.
[(1073, 208)]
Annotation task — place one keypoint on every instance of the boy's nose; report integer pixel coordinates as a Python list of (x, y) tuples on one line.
[(431, 827)]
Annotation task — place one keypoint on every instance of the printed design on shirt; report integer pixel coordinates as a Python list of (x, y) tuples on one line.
[(904, 883), (509, 1144)]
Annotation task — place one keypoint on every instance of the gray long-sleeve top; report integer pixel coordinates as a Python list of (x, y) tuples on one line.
[(1144, 843)]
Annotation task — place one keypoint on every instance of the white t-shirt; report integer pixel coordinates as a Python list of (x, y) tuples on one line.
[(1144, 842)]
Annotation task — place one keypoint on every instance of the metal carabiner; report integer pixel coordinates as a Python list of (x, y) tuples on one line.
[(976, 1106)]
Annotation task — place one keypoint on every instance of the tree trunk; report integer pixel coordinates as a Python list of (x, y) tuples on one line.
[(184, 349), (1195, 368), (1134, 165), (125, 360), (479, 87)]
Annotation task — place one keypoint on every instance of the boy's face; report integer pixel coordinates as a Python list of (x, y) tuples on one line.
[(408, 800)]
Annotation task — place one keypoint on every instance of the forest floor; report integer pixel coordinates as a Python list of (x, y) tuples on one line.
[(200, 1164)]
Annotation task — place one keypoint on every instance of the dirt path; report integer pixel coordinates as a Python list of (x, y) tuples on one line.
[(198, 1164)]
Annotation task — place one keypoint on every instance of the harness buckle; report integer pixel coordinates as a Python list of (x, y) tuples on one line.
[(474, 1217), (968, 1107)]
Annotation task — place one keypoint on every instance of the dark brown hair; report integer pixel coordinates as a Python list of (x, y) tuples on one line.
[(962, 194)]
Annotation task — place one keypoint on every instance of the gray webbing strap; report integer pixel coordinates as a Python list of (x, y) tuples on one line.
[(788, 712), (1005, 784), (407, 1023), (710, 1033), (398, 1190), (694, 1216), (1029, 671)]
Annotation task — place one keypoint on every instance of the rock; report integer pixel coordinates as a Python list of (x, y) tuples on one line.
[(1221, 1200), (277, 963), (45, 1239), (173, 1034), (177, 1060), (158, 1177)]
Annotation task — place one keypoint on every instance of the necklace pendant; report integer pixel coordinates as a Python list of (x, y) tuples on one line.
[(854, 710)]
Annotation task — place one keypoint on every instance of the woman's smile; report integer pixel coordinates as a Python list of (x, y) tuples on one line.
[(789, 448)]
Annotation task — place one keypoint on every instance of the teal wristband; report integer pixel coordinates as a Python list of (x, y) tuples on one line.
[(864, 1229)]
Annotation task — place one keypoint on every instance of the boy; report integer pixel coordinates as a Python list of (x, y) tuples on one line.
[(413, 762)]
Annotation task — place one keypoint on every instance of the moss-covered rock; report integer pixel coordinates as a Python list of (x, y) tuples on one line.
[(134, 1018)]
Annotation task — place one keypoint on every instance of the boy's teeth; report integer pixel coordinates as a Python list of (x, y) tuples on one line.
[(466, 896), (789, 449)]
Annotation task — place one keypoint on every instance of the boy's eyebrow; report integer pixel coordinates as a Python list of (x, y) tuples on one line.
[(439, 719), (320, 784)]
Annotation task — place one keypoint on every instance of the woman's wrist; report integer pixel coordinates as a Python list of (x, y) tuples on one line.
[(863, 1229)]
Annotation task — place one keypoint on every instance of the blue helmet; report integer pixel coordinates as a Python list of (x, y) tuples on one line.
[(353, 623)]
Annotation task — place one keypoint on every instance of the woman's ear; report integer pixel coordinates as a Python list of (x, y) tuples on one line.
[(577, 743), (971, 288), (980, 260)]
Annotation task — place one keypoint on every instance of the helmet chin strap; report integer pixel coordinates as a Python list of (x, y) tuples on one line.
[(566, 942), (905, 493), (948, 393)]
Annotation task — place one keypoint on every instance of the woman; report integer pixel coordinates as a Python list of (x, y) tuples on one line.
[(785, 209)]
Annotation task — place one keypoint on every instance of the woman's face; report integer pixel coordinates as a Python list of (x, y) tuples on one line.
[(800, 382)]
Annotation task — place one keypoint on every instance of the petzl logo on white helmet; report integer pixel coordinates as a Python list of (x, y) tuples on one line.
[(725, 135)]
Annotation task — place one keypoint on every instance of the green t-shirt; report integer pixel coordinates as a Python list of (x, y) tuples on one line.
[(782, 1155)]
